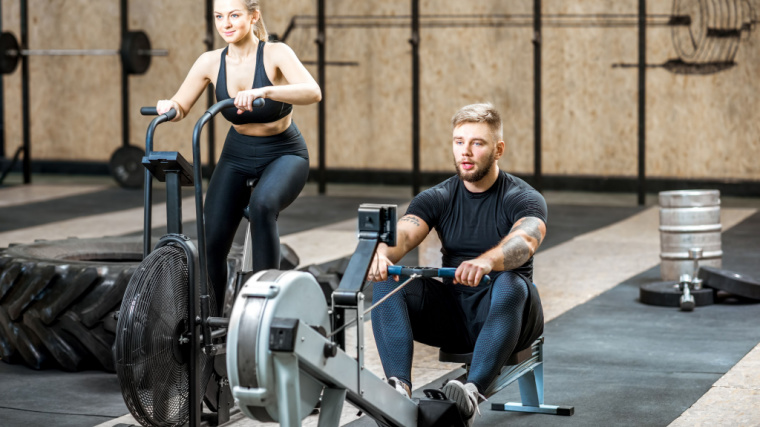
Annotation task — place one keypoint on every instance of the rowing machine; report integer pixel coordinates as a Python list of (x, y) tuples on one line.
[(281, 358)]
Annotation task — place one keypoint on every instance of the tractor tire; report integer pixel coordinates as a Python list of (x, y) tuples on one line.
[(57, 300)]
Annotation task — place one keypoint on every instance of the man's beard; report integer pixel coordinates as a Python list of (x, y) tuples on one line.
[(479, 173)]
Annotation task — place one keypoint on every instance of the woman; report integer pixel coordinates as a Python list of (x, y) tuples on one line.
[(262, 143)]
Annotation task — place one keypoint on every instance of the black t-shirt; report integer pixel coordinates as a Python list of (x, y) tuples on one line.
[(469, 224)]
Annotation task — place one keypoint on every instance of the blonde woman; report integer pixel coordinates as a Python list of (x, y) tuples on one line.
[(262, 143)]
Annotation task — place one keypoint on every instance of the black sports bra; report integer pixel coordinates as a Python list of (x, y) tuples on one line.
[(270, 112)]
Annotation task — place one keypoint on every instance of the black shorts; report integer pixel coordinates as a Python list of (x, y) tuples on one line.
[(451, 316)]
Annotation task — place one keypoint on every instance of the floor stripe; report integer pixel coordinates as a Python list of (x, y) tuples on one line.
[(23, 194), (110, 224), (574, 272)]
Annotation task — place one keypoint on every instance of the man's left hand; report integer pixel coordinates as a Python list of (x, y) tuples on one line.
[(469, 273)]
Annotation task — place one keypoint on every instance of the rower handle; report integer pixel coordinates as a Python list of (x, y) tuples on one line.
[(401, 270)]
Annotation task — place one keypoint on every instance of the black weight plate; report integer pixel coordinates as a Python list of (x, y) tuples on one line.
[(728, 281), (8, 61), (133, 61), (126, 166), (666, 294)]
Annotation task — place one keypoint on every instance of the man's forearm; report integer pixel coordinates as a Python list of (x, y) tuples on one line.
[(518, 246)]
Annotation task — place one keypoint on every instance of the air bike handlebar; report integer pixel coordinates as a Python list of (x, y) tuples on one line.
[(400, 270), (197, 179)]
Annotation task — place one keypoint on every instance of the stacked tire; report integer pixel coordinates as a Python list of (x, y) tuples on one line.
[(58, 301)]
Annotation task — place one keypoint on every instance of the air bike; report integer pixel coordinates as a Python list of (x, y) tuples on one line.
[(169, 348), (282, 358)]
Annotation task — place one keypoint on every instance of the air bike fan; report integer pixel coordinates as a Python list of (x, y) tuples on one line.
[(164, 358)]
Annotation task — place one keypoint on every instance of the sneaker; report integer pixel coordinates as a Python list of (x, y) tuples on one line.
[(466, 398), (400, 386)]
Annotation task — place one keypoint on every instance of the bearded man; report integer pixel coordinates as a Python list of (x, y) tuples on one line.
[(489, 223)]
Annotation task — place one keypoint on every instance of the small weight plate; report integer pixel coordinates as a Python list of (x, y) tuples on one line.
[(667, 294), (728, 281), (133, 56), (126, 166), (8, 61)]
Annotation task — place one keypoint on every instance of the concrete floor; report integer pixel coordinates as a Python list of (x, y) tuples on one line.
[(598, 249)]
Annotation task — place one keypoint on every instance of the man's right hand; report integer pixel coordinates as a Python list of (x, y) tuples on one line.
[(378, 270)]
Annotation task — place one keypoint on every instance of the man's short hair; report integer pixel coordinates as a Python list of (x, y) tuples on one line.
[(480, 113)]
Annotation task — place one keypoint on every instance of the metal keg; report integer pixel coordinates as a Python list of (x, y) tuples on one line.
[(689, 219)]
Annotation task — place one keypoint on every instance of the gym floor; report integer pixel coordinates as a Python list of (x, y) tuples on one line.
[(616, 360)]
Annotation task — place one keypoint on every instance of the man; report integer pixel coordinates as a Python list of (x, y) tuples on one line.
[(489, 223)]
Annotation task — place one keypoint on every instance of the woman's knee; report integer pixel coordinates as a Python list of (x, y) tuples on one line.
[(263, 206)]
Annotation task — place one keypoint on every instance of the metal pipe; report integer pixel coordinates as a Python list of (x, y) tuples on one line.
[(537, 95), (25, 109), (642, 101), (415, 41), (2, 101), (194, 374), (210, 97), (83, 52), (124, 22), (322, 109), (198, 181)]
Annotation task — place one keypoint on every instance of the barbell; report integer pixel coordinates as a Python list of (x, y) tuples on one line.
[(135, 52)]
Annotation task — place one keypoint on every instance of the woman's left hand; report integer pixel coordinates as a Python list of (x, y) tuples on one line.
[(244, 99)]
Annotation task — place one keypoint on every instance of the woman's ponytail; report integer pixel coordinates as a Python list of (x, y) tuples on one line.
[(260, 29)]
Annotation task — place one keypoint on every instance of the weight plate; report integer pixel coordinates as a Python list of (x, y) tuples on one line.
[(126, 166), (134, 56), (728, 281), (666, 294), (8, 61)]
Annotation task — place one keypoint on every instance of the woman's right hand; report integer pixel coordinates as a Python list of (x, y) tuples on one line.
[(163, 106), (378, 270)]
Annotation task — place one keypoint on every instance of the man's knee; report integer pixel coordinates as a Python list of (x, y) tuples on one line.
[(381, 289), (510, 288)]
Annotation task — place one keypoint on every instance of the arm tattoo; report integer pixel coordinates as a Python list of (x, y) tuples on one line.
[(530, 226), (516, 249), (516, 253), (412, 219)]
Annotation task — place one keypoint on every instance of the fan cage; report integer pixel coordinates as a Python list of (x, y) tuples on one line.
[(151, 364)]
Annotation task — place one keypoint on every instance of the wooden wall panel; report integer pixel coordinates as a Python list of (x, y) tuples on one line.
[(698, 126)]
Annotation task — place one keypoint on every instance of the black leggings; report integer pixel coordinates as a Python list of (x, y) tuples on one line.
[(281, 165)]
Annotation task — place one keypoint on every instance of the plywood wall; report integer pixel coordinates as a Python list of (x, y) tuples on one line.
[(698, 126)]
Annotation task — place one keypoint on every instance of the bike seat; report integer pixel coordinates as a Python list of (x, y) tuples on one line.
[(251, 183)]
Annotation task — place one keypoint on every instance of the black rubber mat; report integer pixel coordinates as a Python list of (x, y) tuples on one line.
[(568, 221), (623, 363), (600, 356), (64, 208), (56, 398)]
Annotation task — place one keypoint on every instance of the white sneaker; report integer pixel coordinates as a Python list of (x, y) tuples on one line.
[(400, 386), (466, 398)]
